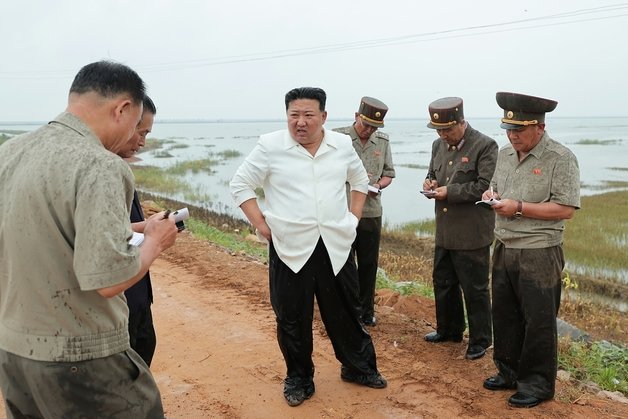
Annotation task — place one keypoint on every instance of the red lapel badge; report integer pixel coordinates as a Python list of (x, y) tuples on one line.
[(465, 159), (378, 153), (536, 171)]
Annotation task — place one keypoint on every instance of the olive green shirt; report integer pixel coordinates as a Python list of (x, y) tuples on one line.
[(377, 160), (64, 214), (549, 173)]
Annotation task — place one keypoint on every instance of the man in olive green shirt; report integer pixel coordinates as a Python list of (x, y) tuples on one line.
[(373, 148), (65, 259), (536, 187)]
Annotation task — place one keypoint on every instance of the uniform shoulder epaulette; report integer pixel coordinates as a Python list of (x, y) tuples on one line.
[(381, 135), (342, 130)]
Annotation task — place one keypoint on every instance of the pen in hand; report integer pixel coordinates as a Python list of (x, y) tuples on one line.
[(430, 178), (491, 191)]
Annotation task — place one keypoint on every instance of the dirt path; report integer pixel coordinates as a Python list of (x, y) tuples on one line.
[(217, 355)]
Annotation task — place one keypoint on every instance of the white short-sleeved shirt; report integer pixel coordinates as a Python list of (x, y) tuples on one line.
[(305, 195)]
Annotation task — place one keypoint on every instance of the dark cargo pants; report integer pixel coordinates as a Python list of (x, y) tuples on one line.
[(117, 386), (526, 299)]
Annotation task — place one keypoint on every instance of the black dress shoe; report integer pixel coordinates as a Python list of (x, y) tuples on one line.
[(475, 352), (296, 390), (373, 380), (523, 400), (497, 382), (435, 337), (369, 321)]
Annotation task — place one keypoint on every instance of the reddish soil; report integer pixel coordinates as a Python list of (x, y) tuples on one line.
[(217, 355)]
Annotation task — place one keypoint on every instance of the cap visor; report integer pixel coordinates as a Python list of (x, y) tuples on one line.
[(510, 126)]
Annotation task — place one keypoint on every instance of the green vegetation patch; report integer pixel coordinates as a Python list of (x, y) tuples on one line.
[(162, 154), (227, 154), (589, 141), (600, 362), (156, 180), (597, 236), (194, 166), (229, 241), (153, 144), (179, 145), (403, 287), (615, 184), (12, 131)]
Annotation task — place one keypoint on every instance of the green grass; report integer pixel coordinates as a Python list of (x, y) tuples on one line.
[(194, 166), (3, 138), (403, 287), (162, 154), (596, 239), (599, 362), (179, 145), (227, 154), (422, 227), (230, 241), (589, 141), (156, 180)]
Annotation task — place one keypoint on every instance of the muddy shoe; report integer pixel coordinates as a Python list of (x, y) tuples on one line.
[(373, 380), (296, 390)]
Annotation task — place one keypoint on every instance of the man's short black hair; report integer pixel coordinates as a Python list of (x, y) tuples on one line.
[(315, 93), (149, 105), (109, 79)]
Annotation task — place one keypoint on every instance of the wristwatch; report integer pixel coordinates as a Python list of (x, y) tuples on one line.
[(519, 212)]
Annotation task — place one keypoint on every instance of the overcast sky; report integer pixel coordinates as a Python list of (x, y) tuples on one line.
[(236, 59)]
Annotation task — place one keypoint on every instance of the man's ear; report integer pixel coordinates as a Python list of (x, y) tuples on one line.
[(121, 107), (324, 116)]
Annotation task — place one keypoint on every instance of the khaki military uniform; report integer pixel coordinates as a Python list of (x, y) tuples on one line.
[(377, 159), (527, 265)]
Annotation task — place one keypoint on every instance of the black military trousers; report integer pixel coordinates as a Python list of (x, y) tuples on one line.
[(366, 250), (142, 333), (457, 273), (526, 299), (292, 298)]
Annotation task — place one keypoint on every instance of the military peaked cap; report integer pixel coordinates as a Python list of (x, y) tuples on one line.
[(446, 113), (372, 111), (523, 110)]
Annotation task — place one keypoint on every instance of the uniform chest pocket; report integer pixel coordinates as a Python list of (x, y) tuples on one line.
[(537, 189), (465, 172)]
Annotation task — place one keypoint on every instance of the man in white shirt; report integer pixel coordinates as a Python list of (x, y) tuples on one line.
[(303, 171)]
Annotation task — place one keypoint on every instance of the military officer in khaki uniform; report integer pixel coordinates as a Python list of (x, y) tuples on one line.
[(537, 183), (461, 167), (373, 147)]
